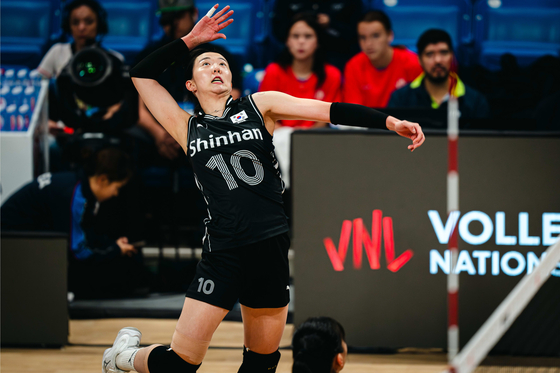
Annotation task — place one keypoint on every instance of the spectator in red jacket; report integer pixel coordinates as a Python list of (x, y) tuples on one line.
[(373, 74), (301, 70)]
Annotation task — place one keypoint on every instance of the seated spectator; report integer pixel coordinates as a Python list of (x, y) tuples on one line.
[(432, 88), (319, 346), (301, 70), (85, 21), (336, 18), (177, 19), (69, 203), (373, 74), (93, 93)]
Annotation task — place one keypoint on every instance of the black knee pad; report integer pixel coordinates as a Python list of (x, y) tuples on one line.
[(256, 363), (164, 360)]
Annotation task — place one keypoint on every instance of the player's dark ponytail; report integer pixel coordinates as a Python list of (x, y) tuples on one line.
[(315, 345)]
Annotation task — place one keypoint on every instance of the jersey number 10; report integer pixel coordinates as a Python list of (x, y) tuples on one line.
[(217, 161)]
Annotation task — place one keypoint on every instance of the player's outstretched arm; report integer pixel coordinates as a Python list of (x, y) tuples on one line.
[(277, 106), (144, 75)]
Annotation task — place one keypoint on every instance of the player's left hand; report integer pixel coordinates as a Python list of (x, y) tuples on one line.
[(410, 130), (209, 27)]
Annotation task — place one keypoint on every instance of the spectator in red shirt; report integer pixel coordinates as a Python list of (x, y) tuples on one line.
[(301, 70), (373, 74)]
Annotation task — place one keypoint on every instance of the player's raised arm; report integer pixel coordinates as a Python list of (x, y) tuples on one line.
[(276, 106), (160, 103)]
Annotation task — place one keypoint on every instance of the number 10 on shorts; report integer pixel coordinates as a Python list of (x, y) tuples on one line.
[(207, 287)]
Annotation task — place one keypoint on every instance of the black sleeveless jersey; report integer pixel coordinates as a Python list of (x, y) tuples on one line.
[(237, 172)]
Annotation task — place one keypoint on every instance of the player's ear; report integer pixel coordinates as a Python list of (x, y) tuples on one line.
[(191, 86), (338, 362)]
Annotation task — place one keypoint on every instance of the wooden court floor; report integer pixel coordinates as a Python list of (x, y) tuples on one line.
[(89, 338)]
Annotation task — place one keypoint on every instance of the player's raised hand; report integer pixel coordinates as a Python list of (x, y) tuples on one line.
[(209, 27)]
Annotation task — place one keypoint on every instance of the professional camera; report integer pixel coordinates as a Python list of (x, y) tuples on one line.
[(94, 93), (97, 77), (95, 97)]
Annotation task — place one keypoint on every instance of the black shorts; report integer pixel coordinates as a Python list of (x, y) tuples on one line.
[(257, 274)]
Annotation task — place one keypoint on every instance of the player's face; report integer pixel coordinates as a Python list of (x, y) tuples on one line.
[(436, 61), (210, 74), (83, 24), (302, 41), (374, 40)]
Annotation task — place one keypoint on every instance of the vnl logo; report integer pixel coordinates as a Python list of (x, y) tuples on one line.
[(511, 263), (372, 244)]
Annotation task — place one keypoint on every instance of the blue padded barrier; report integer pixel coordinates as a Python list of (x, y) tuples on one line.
[(528, 30), (130, 25), (156, 32), (242, 32), (252, 81), (411, 18), (56, 19), (25, 30)]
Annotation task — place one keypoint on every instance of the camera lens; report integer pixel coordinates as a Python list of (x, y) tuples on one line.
[(96, 77), (90, 67)]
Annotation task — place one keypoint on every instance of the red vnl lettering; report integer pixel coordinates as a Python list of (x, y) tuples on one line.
[(337, 258), (393, 264)]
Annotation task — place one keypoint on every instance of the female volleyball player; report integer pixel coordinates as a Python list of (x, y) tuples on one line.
[(246, 243)]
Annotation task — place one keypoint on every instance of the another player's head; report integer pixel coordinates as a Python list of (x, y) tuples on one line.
[(177, 17), (108, 171), (435, 53), (207, 72), (84, 20), (375, 35), (319, 346)]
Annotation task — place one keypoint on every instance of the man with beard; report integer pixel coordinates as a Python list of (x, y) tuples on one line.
[(432, 88)]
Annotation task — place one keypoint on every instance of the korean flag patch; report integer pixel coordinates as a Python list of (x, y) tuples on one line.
[(239, 117)]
